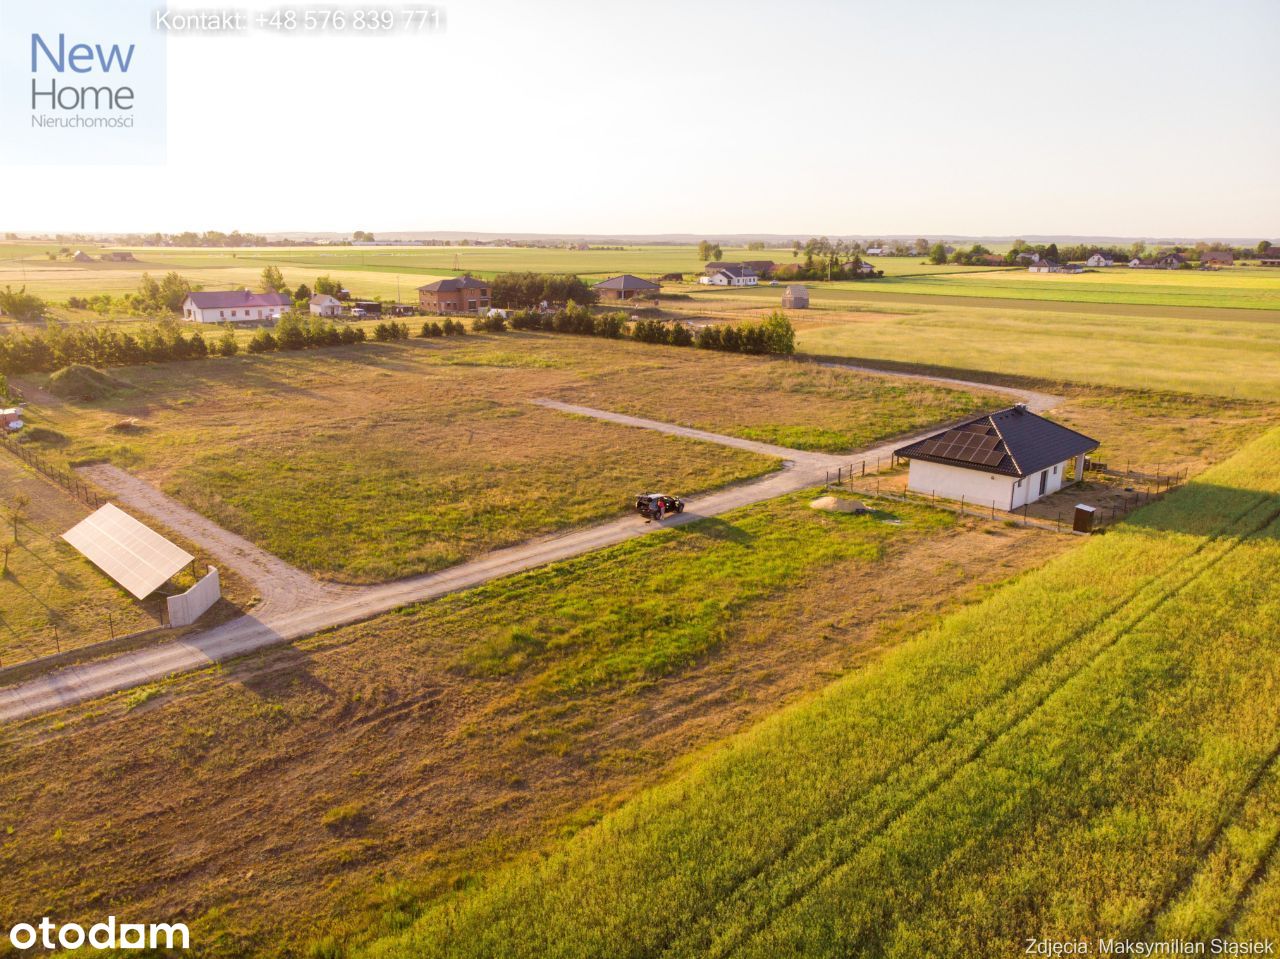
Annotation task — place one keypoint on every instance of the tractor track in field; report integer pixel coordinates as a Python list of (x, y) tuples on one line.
[(295, 605), (985, 741)]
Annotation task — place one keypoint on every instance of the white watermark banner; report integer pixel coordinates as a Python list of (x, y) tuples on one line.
[(81, 82)]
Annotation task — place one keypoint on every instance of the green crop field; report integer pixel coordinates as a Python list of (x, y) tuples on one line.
[(382, 460), (1089, 752)]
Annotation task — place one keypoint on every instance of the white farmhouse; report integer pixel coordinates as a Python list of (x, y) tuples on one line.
[(322, 304), (1002, 460), (1100, 259), (731, 275), (234, 306)]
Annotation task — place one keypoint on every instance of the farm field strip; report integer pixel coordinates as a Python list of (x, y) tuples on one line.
[(844, 741), (845, 831)]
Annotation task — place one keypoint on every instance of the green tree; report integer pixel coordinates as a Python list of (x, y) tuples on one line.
[(227, 345), (327, 286), (938, 254), (1263, 247), (21, 305), (272, 279)]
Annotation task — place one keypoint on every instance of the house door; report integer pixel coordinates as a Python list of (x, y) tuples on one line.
[(1044, 481)]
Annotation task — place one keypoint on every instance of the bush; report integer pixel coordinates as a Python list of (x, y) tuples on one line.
[(21, 305), (262, 342), (489, 324), (227, 345)]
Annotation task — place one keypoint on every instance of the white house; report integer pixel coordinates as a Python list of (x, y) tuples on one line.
[(731, 275), (1002, 460), (322, 304), (1100, 259), (235, 306)]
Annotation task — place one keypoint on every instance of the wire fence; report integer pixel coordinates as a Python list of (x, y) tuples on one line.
[(63, 477), (862, 478)]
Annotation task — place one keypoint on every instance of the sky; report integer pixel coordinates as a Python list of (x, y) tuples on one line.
[(1136, 118)]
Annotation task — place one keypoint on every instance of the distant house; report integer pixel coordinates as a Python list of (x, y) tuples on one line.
[(322, 304), (877, 251), (858, 266), (1028, 257), (1070, 268), (795, 297), (1168, 261), (1217, 258), (1270, 258), (1100, 259), (1002, 460), (82, 257), (625, 287), (457, 294), (234, 306), (1044, 266), (731, 274), (118, 256)]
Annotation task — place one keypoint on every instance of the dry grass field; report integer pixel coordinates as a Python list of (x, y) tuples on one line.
[(357, 776), (382, 460), (52, 599)]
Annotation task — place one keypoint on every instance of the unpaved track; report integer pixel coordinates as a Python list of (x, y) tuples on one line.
[(295, 605)]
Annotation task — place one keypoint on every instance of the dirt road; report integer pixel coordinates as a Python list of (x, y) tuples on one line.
[(295, 605)]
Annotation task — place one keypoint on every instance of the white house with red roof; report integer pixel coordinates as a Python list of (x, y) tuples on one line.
[(234, 306)]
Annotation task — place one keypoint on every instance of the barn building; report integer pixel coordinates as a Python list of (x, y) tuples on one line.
[(457, 294), (625, 287), (235, 306), (1004, 459), (796, 297)]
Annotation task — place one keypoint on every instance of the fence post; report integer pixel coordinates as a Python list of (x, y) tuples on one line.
[(962, 504)]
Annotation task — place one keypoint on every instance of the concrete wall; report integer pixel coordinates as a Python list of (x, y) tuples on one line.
[(186, 608)]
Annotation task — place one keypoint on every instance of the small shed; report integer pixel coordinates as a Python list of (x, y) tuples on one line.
[(11, 419), (796, 297), (82, 257)]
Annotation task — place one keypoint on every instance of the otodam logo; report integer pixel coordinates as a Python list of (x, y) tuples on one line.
[(60, 99)]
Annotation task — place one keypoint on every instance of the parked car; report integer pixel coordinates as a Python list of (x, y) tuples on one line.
[(648, 504), (357, 313)]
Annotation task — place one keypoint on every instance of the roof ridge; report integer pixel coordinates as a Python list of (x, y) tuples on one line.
[(991, 418)]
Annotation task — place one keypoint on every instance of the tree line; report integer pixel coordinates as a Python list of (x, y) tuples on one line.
[(775, 335)]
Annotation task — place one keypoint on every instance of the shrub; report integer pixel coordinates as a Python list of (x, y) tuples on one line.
[(489, 324), (227, 345), (262, 342)]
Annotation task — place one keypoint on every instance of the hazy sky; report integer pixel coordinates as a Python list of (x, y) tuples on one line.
[(715, 116)]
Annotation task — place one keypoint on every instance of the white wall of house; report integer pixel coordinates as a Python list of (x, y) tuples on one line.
[(240, 314), (980, 487)]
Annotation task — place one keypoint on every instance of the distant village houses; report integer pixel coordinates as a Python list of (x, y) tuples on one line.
[(1217, 258), (1100, 259)]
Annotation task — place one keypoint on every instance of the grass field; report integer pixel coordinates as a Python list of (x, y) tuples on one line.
[(381, 460), (52, 599), (48, 583), (361, 773), (1089, 752)]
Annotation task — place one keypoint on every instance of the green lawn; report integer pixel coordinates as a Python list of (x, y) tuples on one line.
[(1090, 752)]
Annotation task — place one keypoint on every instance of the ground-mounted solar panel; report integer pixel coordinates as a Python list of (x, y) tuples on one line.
[(134, 555)]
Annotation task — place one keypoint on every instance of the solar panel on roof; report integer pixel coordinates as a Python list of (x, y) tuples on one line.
[(134, 555)]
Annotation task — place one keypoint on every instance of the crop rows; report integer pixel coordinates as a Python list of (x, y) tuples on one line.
[(1090, 751)]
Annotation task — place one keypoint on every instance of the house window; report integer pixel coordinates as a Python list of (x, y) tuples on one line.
[(222, 314)]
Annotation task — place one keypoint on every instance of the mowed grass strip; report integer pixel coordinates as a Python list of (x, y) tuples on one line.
[(1111, 706)]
